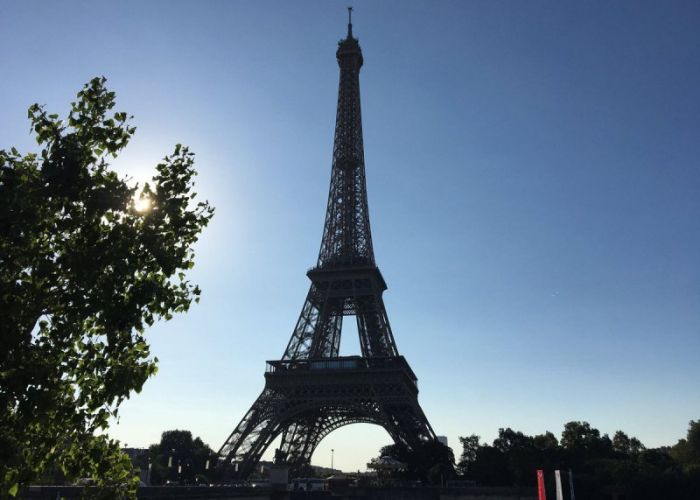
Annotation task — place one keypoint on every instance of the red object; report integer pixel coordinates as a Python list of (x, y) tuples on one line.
[(541, 493)]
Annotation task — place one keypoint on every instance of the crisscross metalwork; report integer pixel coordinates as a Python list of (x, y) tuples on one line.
[(312, 391)]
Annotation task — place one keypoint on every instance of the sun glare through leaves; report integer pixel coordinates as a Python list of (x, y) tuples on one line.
[(142, 202)]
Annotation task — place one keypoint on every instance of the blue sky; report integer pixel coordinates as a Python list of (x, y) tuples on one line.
[(534, 190)]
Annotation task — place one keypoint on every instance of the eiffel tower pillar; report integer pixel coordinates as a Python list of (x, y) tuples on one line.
[(311, 390)]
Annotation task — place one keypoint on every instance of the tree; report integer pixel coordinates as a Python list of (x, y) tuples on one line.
[(545, 442), (687, 451), (430, 461), (178, 457), (625, 445), (83, 272), (693, 440), (490, 468), (601, 465), (509, 441), (580, 439), (522, 456), (470, 447), (579, 436)]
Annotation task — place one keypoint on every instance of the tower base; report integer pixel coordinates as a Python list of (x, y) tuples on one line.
[(305, 400)]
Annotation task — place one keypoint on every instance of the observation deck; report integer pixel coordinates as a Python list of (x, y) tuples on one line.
[(352, 370)]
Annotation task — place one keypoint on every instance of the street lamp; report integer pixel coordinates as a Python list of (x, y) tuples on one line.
[(332, 451)]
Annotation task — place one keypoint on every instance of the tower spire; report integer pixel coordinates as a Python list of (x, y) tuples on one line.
[(349, 23)]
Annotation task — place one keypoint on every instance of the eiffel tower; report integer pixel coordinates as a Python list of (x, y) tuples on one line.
[(313, 390)]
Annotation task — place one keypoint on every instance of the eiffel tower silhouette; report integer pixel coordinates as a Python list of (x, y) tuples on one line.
[(312, 390)]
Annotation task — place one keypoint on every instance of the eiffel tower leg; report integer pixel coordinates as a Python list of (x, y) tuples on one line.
[(376, 338), (326, 342), (302, 437), (252, 436), (303, 334), (317, 332), (297, 438), (409, 425)]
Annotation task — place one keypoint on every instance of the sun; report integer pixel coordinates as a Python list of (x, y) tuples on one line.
[(142, 203)]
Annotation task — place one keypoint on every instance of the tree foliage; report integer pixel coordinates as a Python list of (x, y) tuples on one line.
[(687, 451), (470, 447), (510, 460), (601, 465), (82, 274), (178, 457), (625, 445), (430, 462)]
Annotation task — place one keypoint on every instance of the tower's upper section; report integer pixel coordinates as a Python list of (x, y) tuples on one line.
[(349, 48), (347, 240)]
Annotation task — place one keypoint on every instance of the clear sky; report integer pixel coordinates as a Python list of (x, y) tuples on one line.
[(534, 188)]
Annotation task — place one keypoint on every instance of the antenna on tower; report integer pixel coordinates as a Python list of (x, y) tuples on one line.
[(349, 22)]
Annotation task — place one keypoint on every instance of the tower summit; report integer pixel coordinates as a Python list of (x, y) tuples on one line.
[(312, 390), (346, 234)]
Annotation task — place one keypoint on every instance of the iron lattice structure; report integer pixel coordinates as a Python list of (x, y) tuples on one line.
[(312, 391)]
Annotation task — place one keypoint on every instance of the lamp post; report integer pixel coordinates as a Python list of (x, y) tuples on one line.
[(332, 452)]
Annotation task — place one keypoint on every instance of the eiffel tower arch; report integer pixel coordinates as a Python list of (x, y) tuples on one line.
[(312, 390)]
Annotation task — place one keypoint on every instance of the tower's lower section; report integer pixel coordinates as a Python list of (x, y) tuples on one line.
[(303, 401)]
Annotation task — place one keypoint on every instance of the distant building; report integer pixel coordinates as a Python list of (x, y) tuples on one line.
[(442, 439), (135, 453)]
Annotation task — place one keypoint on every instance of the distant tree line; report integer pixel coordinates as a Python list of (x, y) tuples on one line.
[(601, 466)]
